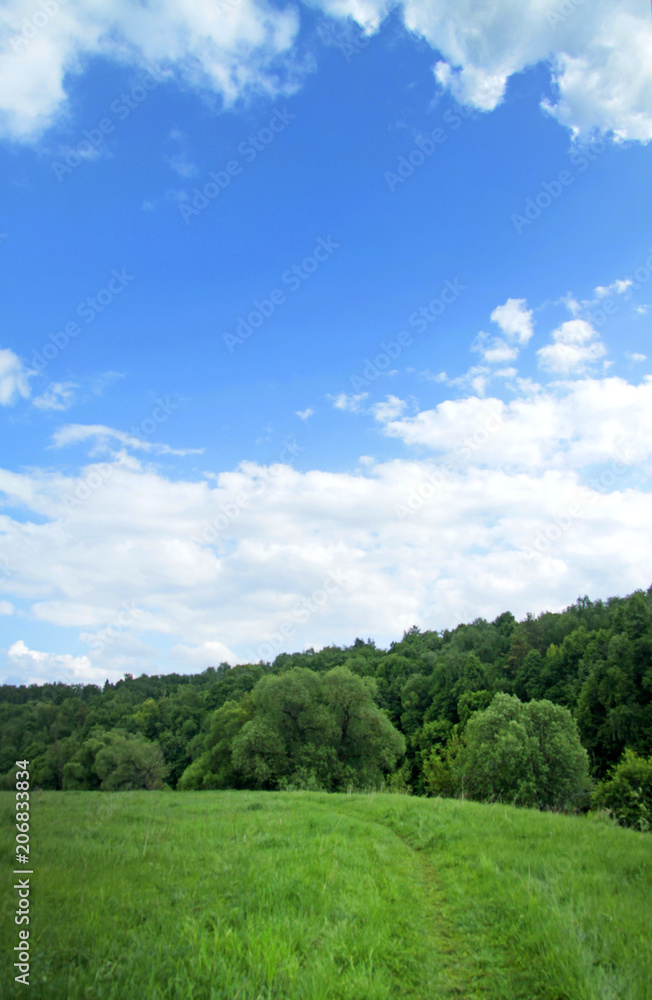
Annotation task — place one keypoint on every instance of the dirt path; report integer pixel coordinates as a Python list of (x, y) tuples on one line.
[(456, 971)]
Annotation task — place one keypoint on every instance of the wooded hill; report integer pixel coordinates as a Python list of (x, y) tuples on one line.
[(271, 725)]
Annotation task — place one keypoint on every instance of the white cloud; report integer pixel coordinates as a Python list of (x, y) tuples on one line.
[(181, 165), (568, 426), (180, 160), (635, 356), (304, 414), (515, 320), (590, 51), (218, 566), (30, 666), (596, 86), (576, 347), (478, 377), (392, 408), (205, 654), (13, 378), (230, 56), (494, 350), (58, 396), (6, 608), (572, 304), (78, 433), (617, 287), (352, 403), (482, 45)]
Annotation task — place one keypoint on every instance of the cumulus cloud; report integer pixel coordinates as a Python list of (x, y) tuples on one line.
[(41, 50), (515, 320), (30, 666), (576, 346), (479, 44), (568, 426), (589, 50), (304, 414), (14, 378), (256, 560), (392, 408)]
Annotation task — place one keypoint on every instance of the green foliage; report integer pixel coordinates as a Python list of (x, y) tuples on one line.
[(214, 768), (115, 761), (627, 793), (316, 731), (595, 658), (129, 762), (439, 765), (528, 754)]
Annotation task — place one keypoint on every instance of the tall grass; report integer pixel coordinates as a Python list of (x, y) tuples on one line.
[(306, 896)]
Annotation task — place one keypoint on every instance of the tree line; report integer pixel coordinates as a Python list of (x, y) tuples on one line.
[(483, 710)]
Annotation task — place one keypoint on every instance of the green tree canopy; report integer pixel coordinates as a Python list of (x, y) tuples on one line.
[(116, 761), (316, 730), (529, 754)]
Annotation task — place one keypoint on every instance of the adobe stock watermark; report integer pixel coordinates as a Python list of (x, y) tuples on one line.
[(85, 487), (598, 315), (164, 407), (437, 478), (101, 473), (227, 6), (93, 138), (249, 149), (563, 11), (561, 523), (229, 511), (301, 613), (6, 569), (87, 310), (294, 278), (425, 146), (32, 26), (127, 615), (421, 319), (581, 157)]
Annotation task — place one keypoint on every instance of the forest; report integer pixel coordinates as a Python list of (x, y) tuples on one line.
[(553, 711)]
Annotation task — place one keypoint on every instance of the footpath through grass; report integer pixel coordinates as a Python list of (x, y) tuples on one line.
[(305, 896)]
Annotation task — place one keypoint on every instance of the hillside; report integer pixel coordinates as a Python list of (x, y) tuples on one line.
[(594, 658), (307, 896)]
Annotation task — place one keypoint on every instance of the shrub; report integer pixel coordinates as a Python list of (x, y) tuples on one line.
[(627, 792)]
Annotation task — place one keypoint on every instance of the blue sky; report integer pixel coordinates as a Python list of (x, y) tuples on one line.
[(436, 226)]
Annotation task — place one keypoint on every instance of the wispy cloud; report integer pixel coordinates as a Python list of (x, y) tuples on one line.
[(14, 378), (103, 437), (57, 396)]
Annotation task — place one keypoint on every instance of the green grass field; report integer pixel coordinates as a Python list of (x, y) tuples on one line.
[(307, 896)]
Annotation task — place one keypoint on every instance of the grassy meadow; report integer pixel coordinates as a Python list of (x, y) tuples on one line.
[(309, 896)]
